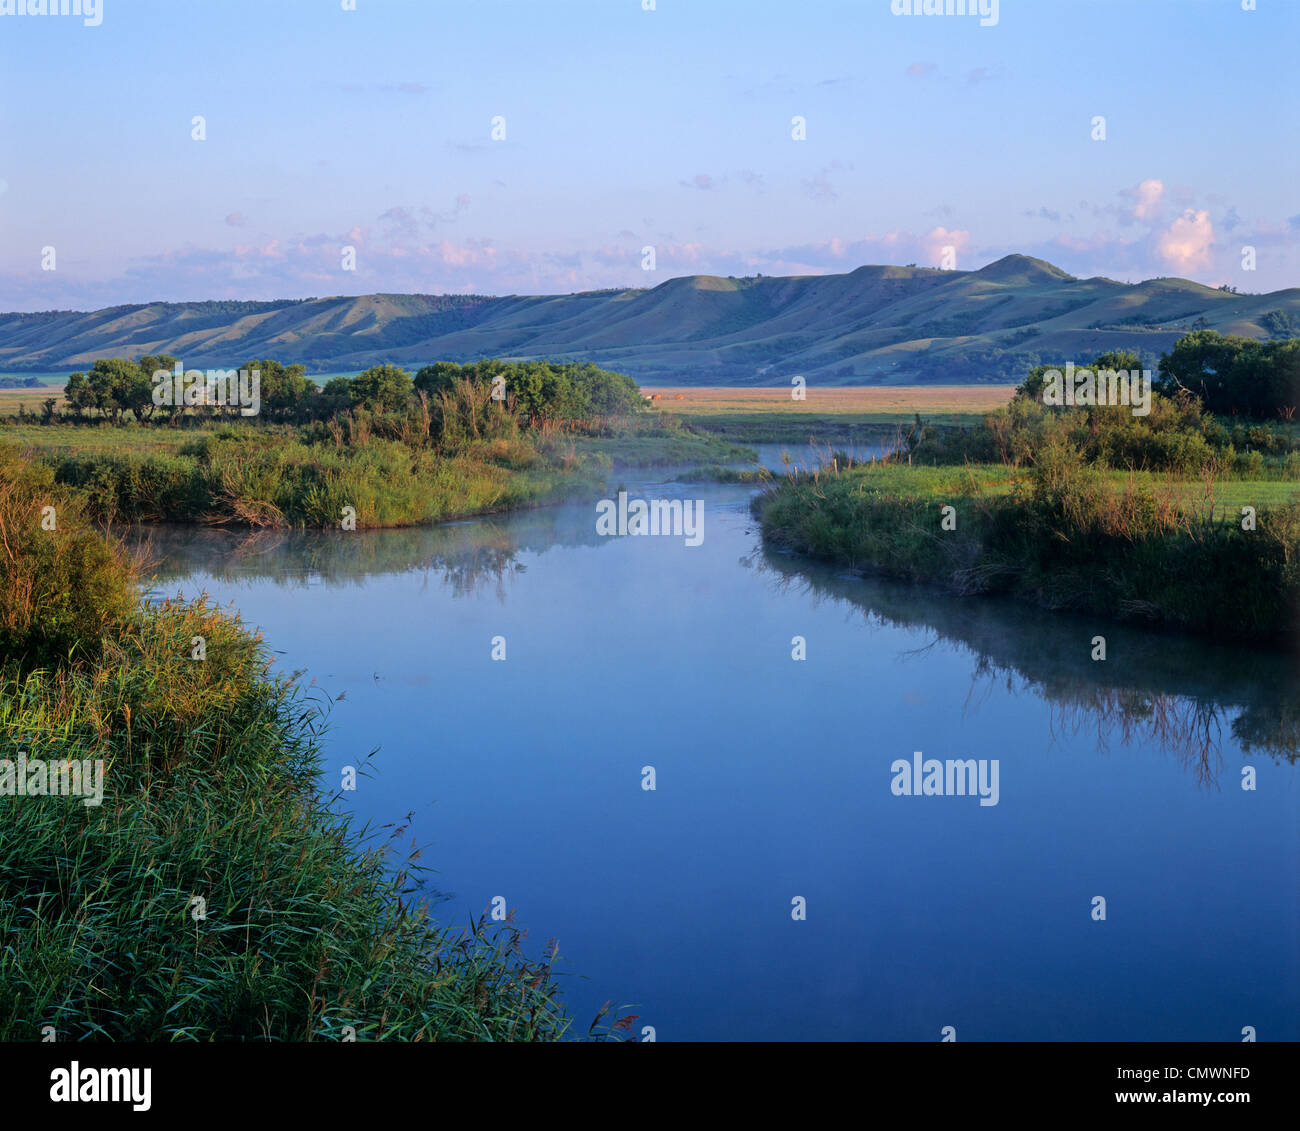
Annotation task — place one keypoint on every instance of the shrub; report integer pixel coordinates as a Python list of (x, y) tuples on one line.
[(62, 587)]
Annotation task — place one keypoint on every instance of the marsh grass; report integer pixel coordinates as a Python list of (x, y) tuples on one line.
[(311, 928), (383, 466), (61, 584), (212, 792), (1065, 533), (255, 480)]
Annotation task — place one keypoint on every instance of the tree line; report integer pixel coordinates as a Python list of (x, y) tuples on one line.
[(119, 389)]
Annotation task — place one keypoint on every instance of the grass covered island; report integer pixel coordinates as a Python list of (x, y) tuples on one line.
[(379, 449), (1176, 518)]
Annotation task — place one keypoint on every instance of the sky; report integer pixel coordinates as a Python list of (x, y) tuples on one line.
[(622, 125)]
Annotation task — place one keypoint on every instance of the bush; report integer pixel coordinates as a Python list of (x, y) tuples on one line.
[(62, 588)]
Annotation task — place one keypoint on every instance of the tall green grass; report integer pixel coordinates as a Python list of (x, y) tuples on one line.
[(61, 585), (216, 893), (248, 478), (1062, 533), (383, 466)]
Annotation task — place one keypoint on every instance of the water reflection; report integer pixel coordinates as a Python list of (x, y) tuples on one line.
[(523, 777), (469, 556), (1181, 693), (1177, 692)]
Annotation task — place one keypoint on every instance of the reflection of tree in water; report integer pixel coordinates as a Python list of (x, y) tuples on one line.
[(1274, 731), (1175, 692), (466, 570), (468, 555), (1188, 728)]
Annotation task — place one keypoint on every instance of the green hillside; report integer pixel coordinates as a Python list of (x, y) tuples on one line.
[(877, 324)]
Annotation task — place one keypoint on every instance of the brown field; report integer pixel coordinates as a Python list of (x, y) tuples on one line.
[(10, 399), (886, 400), (761, 414)]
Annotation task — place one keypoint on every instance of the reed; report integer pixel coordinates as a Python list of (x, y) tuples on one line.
[(216, 893), (1062, 532)]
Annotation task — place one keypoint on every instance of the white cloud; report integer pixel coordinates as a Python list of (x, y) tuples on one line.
[(1186, 244), (1150, 198)]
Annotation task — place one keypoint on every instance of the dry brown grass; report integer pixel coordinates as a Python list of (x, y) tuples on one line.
[(882, 401), (10, 399)]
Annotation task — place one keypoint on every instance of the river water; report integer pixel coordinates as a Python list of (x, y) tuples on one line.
[(774, 884)]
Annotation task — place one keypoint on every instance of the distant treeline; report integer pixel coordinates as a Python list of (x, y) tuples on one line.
[(118, 389), (20, 382)]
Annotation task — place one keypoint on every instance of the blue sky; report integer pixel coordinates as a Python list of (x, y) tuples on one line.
[(627, 128)]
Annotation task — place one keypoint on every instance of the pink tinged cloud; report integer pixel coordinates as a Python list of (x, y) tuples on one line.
[(1150, 197), (1186, 245)]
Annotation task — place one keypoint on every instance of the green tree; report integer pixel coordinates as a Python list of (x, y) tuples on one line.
[(438, 377), (78, 393), (384, 388), (1116, 359), (115, 384), (157, 363), (286, 390)]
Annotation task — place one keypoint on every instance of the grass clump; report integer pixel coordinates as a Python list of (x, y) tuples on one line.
[(242, 477), (1061, 532), (62, 585)]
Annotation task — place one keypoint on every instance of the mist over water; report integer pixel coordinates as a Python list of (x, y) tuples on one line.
[(522, 778)]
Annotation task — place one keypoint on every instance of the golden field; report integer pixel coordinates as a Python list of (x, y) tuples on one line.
[(751, 414)]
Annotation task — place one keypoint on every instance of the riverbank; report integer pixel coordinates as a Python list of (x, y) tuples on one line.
[(282, 476), (378, 449), (1217, 558), (207, 889)]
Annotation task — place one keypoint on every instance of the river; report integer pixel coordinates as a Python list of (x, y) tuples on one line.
[(776, 884)]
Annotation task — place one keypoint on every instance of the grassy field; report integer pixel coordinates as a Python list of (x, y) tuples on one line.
[(945, 484), (650, 447), (867, 405), (10, 399), (759, 415), (103, 439), (1121, 545)]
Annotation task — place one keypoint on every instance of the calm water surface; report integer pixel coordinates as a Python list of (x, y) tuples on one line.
[(522, 779)]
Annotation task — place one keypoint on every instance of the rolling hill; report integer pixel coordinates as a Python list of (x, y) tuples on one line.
[(877, 324)]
